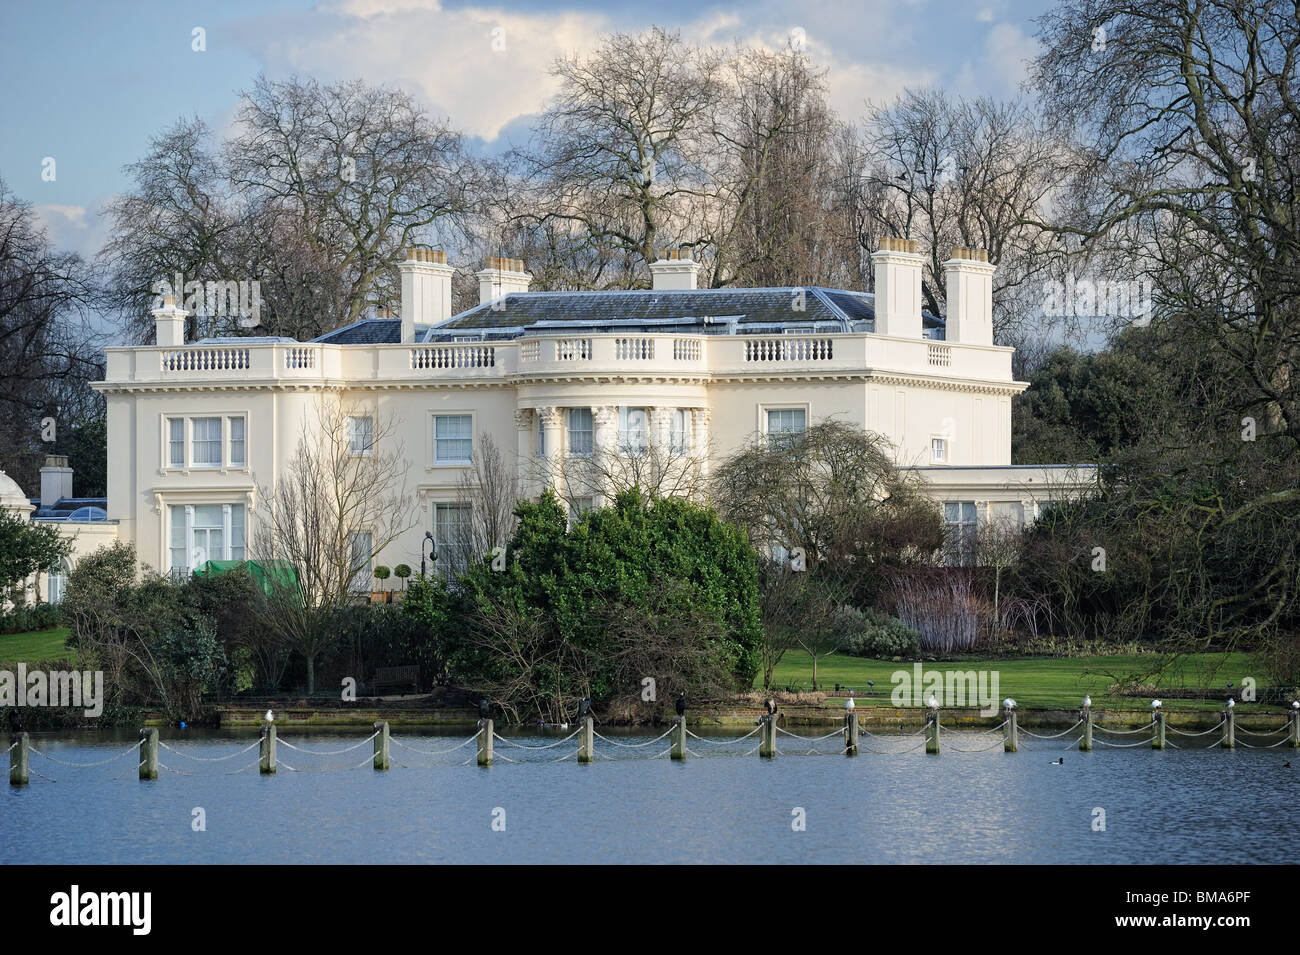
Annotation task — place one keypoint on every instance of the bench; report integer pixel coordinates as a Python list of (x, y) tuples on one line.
[(397, 677)]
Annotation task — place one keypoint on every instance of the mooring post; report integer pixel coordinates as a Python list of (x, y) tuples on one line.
[(19, 746), (485, 742), (1229, 740), (149, 753), (1158, 740), (1012, 742), (1085, 741), (851, 733), (1293, 720), (932, 732), (266, 752), (679, 738), (381, 745), (767, 736), (587, 741)]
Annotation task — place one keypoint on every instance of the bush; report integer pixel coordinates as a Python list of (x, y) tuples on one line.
[(31, 619), (878, 635)]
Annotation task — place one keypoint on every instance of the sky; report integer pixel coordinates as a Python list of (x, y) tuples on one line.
[(89, 82)]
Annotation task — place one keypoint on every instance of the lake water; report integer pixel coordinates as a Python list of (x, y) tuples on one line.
[(634, 805)]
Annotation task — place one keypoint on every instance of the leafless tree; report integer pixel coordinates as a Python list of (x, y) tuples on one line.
[(488, 492), (329, 514)]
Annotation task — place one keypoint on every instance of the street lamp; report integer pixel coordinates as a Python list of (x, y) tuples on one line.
[(433, 549)]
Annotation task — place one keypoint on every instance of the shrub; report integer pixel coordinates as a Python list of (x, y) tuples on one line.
[(878, 635), (31, 619), (941, 604), (381, 572)]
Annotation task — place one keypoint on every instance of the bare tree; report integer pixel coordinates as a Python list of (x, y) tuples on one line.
[(489, 492), (334, 508)]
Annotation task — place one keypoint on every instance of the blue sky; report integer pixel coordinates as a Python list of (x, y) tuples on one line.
[(89, 81)]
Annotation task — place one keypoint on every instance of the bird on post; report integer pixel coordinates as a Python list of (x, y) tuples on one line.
[(484, 708), (681, 704), (771, 706), (849, 704), (269, 717), (584, 708)]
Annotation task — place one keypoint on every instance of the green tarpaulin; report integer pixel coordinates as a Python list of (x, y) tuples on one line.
[(266, 572)]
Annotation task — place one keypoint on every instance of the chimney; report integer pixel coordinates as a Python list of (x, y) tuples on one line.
[(896, 269), (969, 280), (169, 323), (501, 277), (426, 289), (56, 480), (675, 270)]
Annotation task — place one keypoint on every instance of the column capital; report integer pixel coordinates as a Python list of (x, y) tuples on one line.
[(604, 415), (552, 417), (523, 418)]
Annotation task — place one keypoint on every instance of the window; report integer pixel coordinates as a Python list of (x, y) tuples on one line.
[(451, 532), (238, 454), (203, 532), (938, 450), (176, 442), (579, 506), (207, 442), (633, 430), (453, 439), (783, 424), (361, 435), (961, 527), (679, 432), (581, 431), (58, 582), (541, 435), (362, 544)]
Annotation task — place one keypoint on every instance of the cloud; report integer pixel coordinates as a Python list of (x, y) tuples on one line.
[(1002, 66)]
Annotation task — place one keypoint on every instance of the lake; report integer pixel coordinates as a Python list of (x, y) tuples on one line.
[(633, 805)]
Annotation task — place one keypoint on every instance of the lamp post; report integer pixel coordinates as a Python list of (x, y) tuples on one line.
[(433, 550)]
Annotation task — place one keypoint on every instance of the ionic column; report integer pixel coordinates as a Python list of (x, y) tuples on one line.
[(524, 425), (604, 444), (661, 422), (700, 437), (553, 428)]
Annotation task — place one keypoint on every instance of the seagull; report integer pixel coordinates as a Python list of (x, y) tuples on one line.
[(1155, 704), (1295, 704), (1009, 703), (1059, 762), (932, 703), (1231, 703), (681, 704), (849, 704), (771, 707), (270, 717), (1087, 702)]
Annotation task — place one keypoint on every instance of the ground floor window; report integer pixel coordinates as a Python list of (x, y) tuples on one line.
[(961, 526), (58, 581), (203, 532), (451, 532)]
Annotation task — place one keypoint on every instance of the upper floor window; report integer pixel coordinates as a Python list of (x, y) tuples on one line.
[(361, 435), (453, 438), (938, 450), (679, 432), (238, 454), (176, 442), (206, 441), (784, 424), (633, 430), (581, 431)]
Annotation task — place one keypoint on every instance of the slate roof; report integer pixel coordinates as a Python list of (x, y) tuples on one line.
[(84, 509)]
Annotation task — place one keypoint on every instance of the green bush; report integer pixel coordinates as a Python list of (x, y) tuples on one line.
[(877, 635), (31, 619)]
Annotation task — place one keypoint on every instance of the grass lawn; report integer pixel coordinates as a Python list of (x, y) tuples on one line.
[(1035, 681), (29, 647)]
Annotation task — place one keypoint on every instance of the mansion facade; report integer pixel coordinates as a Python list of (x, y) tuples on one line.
[(198, 430)]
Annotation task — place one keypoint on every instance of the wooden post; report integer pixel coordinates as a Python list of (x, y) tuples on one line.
[(1012, 744), (1293, 720), (485, 742), (932, 733), (1085, 741), (266, 762), (767, 736), (381, 746), (586, 741), (1158, 741), (851, 733), (1229, 740), (149, 754), (679, 738), (19, 746)]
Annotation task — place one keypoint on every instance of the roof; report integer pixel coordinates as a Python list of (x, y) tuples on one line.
[(74, 509)]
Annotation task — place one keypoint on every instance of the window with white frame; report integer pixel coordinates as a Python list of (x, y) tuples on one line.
[(238, 446), (451, 533), (176, 442), (938, 450), (205, 442), (541, 435), (203, 532), (633, 430), (679, 432), (961, 529), (361, 546), (785, 424), (581, 431), (453, 439), (58, 580), (583, 504), (361, 435)]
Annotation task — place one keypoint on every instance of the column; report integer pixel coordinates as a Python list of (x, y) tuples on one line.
[(524, 427), (700, 437), (604, 423), (553, 427)]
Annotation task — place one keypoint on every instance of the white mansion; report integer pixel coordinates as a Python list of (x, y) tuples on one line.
[(196, 428)]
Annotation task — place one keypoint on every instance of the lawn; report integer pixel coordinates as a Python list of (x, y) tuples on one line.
[(30, 647), (1034, 681)]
